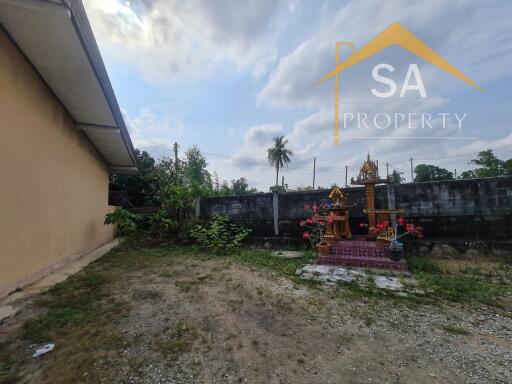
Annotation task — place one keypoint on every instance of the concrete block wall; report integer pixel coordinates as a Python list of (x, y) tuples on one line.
[(468, 209)]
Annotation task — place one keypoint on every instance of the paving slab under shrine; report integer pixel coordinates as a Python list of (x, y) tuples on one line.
[(381, 279)]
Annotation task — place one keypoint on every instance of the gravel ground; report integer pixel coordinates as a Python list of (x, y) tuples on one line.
[(215, 321)]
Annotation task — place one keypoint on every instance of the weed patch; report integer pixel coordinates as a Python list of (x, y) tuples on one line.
[(424, 264), (454, 329), (176, 341), (8, 371), (263, 259), (147, 294), (462, 287), (68, 303)]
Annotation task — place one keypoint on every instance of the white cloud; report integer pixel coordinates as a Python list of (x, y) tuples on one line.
[(459, 31), (190, 41), (153, 134), (249, 160), (481, 145), (177, 40), (255, 143)]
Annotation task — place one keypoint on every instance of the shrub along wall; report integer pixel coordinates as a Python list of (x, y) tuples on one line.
[(464, 209)]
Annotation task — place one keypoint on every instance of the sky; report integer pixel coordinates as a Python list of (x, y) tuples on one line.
[(228, 76)]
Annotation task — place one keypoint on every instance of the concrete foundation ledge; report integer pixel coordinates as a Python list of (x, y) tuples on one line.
[(54, 273)]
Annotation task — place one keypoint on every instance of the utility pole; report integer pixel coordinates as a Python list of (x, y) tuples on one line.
[(282, 182), (346, 176), (387, 170), (314, 171), (455, 173), (412, 172), (176, 164), (176, 155)]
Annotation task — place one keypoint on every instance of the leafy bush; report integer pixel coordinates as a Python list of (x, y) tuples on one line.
[(424, 264), (125, 220), (161, 225), (220, 234)]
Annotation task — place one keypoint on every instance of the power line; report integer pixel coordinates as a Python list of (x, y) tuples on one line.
[(265, 163), (328, 169), (452, 157)]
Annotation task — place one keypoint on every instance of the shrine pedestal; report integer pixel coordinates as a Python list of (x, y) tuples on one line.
[(361, 253)]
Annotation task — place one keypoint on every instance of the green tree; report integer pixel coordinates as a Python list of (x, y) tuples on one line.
[(488, 166), (163, 175), (428, 172), (239, 186), (279, 156), (224, 189), (216, 183), (140, 188), (300, 188), (507, 167), (195, 172), (396, 177)]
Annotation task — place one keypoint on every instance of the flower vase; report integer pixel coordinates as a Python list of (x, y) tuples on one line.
[(323, 250)]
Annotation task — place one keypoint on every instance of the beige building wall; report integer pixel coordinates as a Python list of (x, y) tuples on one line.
[(53, 183)]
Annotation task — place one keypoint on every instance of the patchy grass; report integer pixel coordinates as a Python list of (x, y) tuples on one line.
[(462, 287), (455, 330), (424, 264), (263, 259), (9, 373), (177, 340), (78, 316), (68, 303), (186, 285), (472, 270), (469, 281), (85, 315), (147, 294), (358, 290), (470, 285)]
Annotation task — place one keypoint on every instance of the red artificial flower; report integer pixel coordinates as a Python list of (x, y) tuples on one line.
[(401, 220), (306, 235), (382, 226)]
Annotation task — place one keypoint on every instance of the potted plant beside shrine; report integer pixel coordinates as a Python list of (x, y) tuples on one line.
[(396, 247), (313, 232), (323, 248), (396, 250), (388, 236)]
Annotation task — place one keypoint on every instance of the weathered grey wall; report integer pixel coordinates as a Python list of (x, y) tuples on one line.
[(471, 209)]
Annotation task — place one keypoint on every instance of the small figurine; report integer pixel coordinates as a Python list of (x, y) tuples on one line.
[(337, 196)]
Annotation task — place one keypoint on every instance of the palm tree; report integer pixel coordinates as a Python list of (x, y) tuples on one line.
[(278, 156)]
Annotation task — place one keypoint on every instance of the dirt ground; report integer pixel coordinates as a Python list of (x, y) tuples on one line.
[(189, 319)]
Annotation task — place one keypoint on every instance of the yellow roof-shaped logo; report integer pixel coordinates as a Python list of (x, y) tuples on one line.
[(397, 34)]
